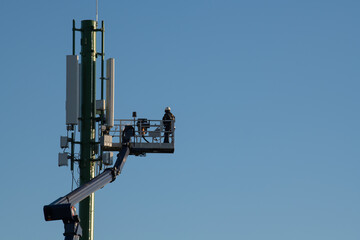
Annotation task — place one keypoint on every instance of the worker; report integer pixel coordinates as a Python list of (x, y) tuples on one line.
[(167, 121)]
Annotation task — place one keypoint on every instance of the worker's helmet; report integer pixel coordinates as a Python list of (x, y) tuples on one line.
[(167, 109)]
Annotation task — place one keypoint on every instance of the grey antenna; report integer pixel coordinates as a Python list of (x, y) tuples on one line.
[(97, 10)]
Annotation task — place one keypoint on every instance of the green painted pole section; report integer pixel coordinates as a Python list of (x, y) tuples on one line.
[(88, 123), (102, 61), (102, 83), (73, 30)]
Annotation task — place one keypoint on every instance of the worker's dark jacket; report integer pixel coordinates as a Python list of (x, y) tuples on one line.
[(167, 124)]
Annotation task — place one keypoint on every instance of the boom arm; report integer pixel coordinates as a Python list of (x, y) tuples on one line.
[(63, 208)]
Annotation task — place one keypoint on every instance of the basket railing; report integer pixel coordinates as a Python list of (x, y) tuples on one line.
[(146, 130)]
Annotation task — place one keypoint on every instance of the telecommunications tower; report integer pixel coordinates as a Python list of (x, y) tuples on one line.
[(100, 134)]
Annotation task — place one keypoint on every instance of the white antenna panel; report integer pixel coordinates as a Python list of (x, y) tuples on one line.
[(110, 88), (72, 89)]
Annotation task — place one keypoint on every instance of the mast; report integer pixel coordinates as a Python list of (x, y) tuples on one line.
[(88, 123)]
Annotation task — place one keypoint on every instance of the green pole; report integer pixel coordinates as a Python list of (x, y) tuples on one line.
[(88, 123)]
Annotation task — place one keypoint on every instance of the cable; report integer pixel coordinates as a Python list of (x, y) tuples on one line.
[(145, 139), (72, 180)]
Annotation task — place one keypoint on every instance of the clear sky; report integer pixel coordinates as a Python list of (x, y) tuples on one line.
[(266, 98)]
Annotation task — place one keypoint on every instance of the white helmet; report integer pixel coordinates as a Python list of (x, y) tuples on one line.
[(167, 109)]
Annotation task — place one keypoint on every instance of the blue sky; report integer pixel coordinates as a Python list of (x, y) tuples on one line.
[(265, 95)]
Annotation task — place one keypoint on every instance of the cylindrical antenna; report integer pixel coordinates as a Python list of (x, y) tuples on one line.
[(97, 10)]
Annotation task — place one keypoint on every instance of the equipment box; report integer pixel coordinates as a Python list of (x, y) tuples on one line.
[(106, 141)]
